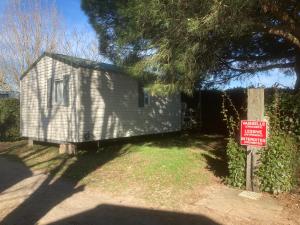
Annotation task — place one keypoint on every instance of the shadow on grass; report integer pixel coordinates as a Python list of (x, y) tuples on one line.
[(91, 157), (49, 193), (12, 173), (11, 146), (212, 147), (218, 163)]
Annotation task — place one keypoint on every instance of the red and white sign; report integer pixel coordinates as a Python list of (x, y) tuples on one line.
[(254, 133)]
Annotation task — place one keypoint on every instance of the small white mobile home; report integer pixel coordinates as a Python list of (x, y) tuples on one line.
[(69, 100)]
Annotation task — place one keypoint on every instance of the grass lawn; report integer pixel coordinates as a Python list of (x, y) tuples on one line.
[(163, 169)]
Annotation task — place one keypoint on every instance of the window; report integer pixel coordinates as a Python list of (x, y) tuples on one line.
[(58, 91), (146, 97), (143, 96)]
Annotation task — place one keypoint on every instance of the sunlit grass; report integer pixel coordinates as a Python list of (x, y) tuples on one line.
[(156, 169)]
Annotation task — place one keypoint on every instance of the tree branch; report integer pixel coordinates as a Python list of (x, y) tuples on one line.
[(263, 57), (240, 72), (263, 68), (285, 34), (279, 13)]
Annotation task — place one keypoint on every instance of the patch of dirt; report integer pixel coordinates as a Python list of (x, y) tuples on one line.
[(291, 205)]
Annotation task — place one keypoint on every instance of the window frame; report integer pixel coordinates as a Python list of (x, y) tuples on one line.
[(61, 102), (64, 90), (146, 96)]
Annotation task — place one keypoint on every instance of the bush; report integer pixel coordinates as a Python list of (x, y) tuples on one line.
[(236, 164), (280, 160), (236, 154), (277, 171), (9, 119)]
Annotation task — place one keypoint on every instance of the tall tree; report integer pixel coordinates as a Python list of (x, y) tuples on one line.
[(30, 27), (185, 42), (27, 29)]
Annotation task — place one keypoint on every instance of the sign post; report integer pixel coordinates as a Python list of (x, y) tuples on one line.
[(253, 134)]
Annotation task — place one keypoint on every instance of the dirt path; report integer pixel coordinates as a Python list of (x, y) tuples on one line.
[(33, 198)]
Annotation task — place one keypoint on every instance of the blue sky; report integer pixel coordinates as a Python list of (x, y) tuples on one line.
[(69, 9), (72, 13), (2, 4), (265, 80), (75, 17)]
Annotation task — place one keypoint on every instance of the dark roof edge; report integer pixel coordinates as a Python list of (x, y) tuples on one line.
[(63, 60), (32, 65)]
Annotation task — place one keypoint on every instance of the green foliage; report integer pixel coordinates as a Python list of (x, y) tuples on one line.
[(230, 115), (236, 163), (9, 119), (280, 160), (184, 43), (277, 171), (284, 111), (236, 154)]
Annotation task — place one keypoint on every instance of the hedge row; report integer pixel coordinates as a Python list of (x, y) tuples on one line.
[(9, 119)]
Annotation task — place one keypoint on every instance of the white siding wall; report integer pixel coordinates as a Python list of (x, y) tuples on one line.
[(37, 120), (102, 105), (108, 108)]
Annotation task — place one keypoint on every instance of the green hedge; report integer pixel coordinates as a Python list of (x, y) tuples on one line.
[(280, 160), (236, 155), (9, 119)]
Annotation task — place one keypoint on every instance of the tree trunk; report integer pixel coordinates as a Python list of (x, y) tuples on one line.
[(297, 71)]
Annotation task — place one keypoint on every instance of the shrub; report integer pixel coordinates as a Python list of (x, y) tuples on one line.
[(279, 161), (278, 164), (236, 154), (9, 119), (236, 164)]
